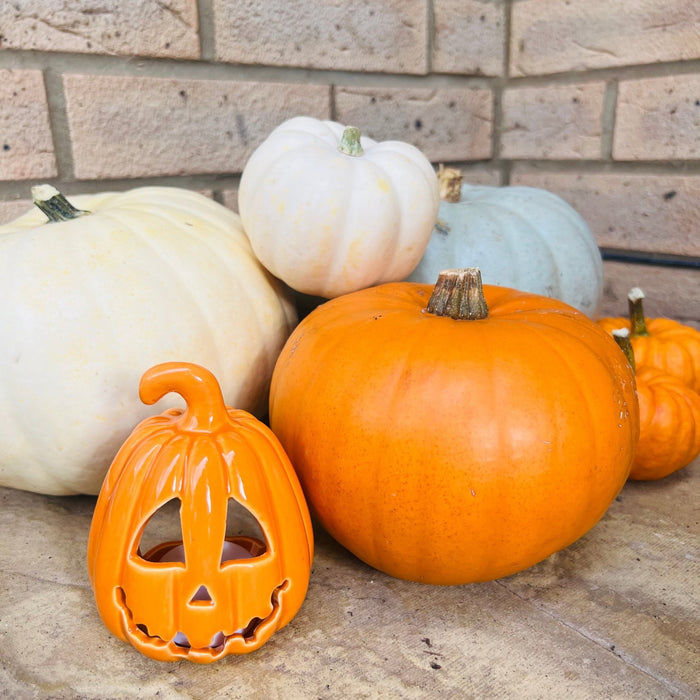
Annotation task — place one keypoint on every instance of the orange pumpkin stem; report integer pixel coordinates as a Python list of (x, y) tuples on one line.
[(54, 204), (206, 410), (459, 294), (622, 338), (636, 312), (450, 182)]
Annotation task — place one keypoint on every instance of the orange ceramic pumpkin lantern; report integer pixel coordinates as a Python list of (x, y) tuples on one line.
[(208, 592), (449, 435)]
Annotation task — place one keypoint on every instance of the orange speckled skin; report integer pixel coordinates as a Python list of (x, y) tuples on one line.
[(204, 455), (451, 451), (671, 346), (669, 437)]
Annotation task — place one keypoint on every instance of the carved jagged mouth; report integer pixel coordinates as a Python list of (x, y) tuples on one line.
[(180, 643)]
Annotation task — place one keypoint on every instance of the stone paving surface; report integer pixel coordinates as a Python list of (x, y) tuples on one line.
[(615, 615)]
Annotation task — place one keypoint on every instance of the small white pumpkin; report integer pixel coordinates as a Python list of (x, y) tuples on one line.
[(329, 211), (521, 237), (92, 301)]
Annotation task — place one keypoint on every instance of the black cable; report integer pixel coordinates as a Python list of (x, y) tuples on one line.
[(642, 258)]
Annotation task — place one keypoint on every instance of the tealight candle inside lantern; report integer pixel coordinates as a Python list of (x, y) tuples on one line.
[(230, 551)]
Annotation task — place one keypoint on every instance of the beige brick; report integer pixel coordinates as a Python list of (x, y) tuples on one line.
[(553, 122), (551, 36), (448, 124), (135, 127), (129, 27), (480, 175), (669, 291), (658, 118), (373, 35), (656, 213), (10, 209), (469, 36), (26, 144)]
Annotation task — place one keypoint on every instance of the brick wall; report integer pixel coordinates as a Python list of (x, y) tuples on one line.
[(595, 100)]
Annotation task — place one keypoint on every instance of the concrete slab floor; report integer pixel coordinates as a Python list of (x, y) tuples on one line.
[(615, 615)]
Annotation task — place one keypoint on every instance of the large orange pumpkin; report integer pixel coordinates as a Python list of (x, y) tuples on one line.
[(204, 593), (454, 437), (660, 342)]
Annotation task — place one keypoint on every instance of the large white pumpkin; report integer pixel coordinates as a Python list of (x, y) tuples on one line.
[(329, 211), (521, 237), (90, 303)]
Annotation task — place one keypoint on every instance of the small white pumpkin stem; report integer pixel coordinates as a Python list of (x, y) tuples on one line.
[(622, 338), (638, 324), (459, 294), (450, 181), (54, 204), (350, 142)]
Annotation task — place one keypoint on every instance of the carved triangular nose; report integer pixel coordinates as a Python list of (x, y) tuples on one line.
[(201, 596)]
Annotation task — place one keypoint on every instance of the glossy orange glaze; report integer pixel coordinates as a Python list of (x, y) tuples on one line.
[(203, 456), (450, 451)]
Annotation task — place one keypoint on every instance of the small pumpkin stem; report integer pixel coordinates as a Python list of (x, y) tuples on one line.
[(459, 294), (450, 182), (54, 204), (622, 338), (350, 142), (637, 322), (206, 410)]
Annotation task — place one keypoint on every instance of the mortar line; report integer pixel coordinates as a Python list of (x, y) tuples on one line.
[(498, 92), (59, 125), (147, 66), (206, 30), (430, 35), (608, 118)]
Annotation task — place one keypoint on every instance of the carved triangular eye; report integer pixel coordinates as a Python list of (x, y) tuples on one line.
[(161, 539), (244, 534)]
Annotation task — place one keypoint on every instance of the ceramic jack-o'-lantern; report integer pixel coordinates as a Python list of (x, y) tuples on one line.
[(214, 588)]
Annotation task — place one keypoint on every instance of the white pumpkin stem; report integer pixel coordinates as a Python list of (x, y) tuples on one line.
[(450, 182), (636, 312), (350, 142), (459, 294), (622, 338), (54, 204)]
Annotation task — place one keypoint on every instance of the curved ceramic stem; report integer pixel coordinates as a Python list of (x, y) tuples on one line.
[(206, 410)]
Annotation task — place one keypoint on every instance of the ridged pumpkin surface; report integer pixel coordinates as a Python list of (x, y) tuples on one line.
[(669, 436), (451, 451), (149, 275), (521, 237)]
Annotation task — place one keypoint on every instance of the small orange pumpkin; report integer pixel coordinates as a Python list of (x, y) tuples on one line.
[(454, 434), (205, 594), (669, 420), (660, 342)]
